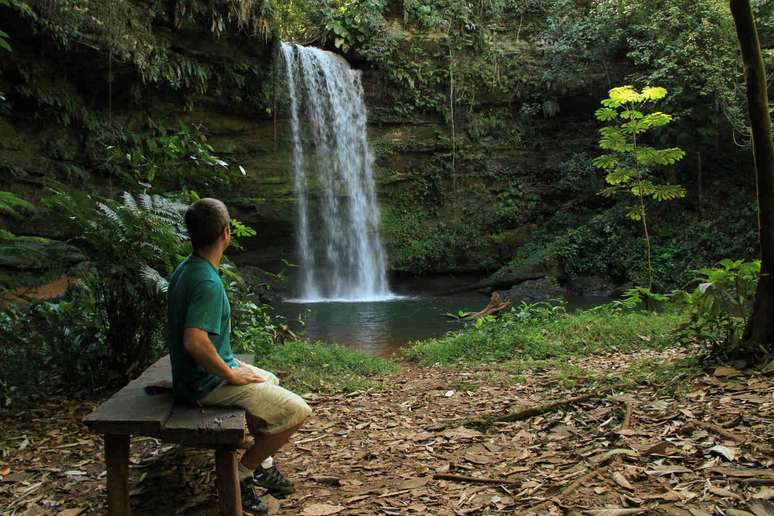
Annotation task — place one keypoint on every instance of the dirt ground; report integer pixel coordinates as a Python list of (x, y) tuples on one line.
[(701, 446)]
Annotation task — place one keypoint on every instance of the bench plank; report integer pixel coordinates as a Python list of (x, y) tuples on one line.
[(131, 410), (205, 426)]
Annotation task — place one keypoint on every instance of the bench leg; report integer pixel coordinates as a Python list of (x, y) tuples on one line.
[(229, 495), (117, 461)]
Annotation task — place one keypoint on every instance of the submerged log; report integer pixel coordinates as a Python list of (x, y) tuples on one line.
[(496, 304)]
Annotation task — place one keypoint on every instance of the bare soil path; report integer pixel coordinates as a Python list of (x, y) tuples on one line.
[(690, 447)]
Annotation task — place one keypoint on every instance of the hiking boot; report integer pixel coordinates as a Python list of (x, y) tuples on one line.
[(250, 501), (273, 481)]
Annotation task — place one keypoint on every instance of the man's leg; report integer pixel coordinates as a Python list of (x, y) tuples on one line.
[(265, 444), (274, 414)]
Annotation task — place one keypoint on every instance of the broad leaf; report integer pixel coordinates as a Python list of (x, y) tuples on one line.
[(667, 192), (606, 114), (654, 92), (634, 213), (606, 161), (625, 95), (620, 175)]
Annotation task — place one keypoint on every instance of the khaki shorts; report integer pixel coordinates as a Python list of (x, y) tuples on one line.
[(276, 407)]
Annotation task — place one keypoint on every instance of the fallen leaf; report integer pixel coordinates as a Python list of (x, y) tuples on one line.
[(478, 458), (729, 453), (602, 458), (272, 504), (669, 496), (70, 512), (414, 483), (725, 372), (762, 507), (723, 493), (737, 512), (5, 472), (765, 493), (621, 481), (321, 509), (656, 449), (660, 471), (742, 473), (461, 433)]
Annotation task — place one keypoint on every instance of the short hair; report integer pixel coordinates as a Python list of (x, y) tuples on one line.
[(205, 220)]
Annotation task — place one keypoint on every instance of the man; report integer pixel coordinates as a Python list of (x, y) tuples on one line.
[(204, 369)]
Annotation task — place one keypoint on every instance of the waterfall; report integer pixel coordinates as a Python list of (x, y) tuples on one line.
[(340, 253)]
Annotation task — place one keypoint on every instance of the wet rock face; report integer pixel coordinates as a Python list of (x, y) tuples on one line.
[(596, 286), (471, 217), (535, 290)]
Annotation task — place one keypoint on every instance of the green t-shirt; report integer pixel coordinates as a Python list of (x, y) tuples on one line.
[(197, 299)]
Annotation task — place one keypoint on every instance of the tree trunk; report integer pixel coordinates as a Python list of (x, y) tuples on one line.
[(760, 330)]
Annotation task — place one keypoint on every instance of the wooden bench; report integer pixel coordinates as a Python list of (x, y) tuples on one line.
[(133, 411)]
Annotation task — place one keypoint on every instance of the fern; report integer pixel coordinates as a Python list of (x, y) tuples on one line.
[(11, 204)]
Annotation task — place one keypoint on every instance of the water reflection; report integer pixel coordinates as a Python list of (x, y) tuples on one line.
[(381, 328)]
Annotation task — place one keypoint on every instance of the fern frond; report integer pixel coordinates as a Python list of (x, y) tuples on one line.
[(153, 279)]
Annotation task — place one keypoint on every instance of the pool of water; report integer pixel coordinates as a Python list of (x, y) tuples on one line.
[(381, 328)]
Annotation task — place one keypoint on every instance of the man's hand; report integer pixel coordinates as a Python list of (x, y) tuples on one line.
[(244, 375)]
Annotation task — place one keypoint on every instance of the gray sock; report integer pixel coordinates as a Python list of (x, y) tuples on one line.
[(244, 472)]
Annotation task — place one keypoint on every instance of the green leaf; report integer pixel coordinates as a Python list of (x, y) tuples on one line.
[(654, 92), (657, 119), (4, 41), (612, 138), (625, 95), (634, 213), (620, 175), (606, 161), (10, 203), (667, 192), (631, 114), (606, 114), (609, 191), (610, 103), (643, 188)]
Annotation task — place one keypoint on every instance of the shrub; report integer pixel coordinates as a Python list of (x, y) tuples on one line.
[(132, 245), (718, 307)]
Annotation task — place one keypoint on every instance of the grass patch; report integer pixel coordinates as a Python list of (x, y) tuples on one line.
[(530, 334), (316, 367)]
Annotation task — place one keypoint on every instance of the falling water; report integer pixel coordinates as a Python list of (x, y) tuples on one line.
[(341, 256)]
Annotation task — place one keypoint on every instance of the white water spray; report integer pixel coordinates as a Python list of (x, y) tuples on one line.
[(341, 256)]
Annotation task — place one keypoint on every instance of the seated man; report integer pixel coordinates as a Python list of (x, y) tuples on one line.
[(204, 369)]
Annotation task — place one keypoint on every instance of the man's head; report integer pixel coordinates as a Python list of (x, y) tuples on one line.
[(208, 221)]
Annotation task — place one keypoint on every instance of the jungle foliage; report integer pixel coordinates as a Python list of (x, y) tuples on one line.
[(496, 185)]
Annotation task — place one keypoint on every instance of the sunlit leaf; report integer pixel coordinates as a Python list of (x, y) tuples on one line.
[(606, 161), (606, 114), (654, 92), (625, 95)]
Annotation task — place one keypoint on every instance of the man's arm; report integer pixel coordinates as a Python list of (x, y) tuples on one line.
[(198, 344)]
